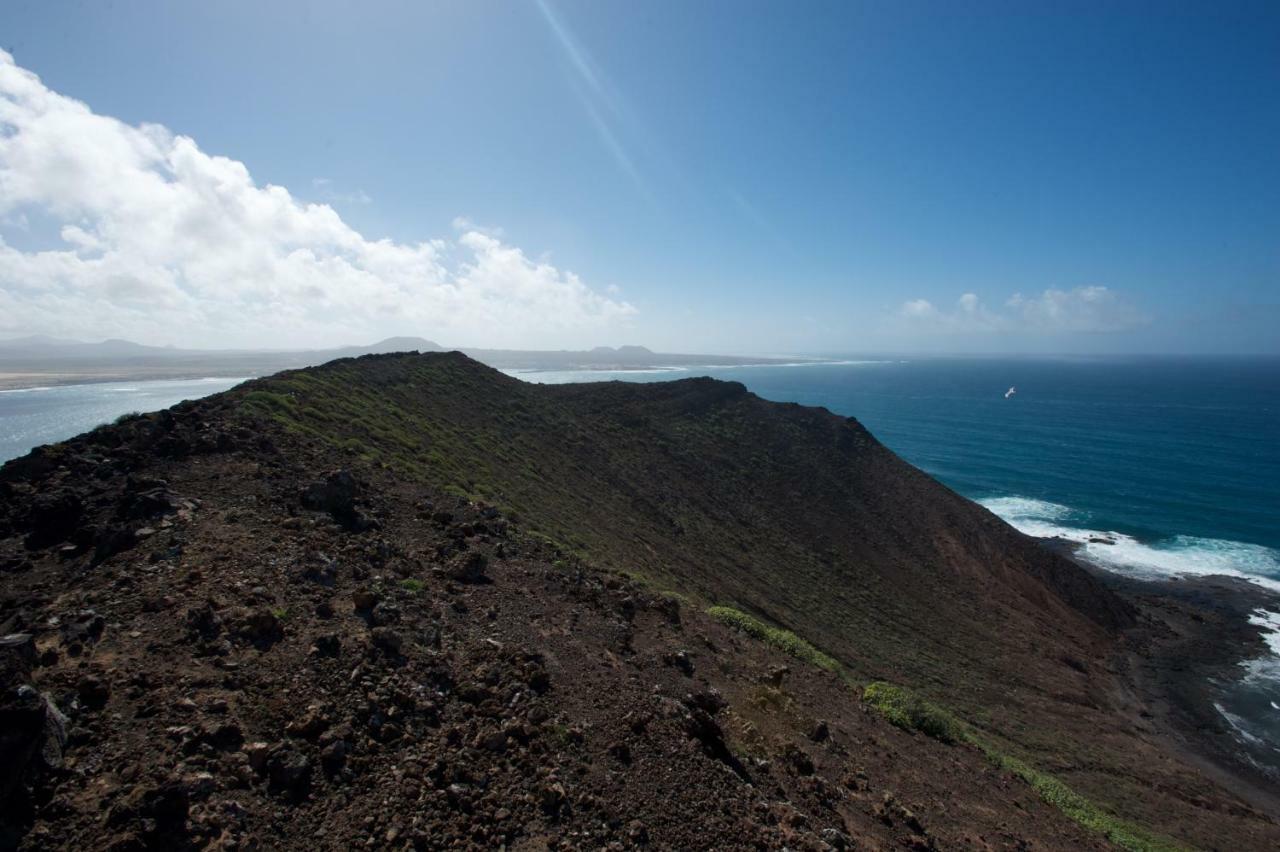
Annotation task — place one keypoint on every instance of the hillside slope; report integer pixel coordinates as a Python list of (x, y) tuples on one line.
[(492, 627)]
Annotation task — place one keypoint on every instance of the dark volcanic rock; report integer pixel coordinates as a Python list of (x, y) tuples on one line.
[(239, 671), (468, 567), (337, 495), (53, 517), (33, 734), (290, 773)]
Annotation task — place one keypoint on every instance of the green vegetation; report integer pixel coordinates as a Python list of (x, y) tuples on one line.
[(1121, 832), (411, 585), (910, 712), (691, 487), (280, 613), (783, 640)]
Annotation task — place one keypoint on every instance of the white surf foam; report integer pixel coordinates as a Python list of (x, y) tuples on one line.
[(1250, 721), (1181, 555), (1270, 622)]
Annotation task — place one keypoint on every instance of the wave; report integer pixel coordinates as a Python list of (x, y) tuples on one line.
[(26, 390), (1249, 705), (1180, 555), (1270, 623)]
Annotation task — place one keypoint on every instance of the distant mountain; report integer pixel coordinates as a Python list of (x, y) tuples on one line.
[(37, 340), (622, 350), (384, 347), (38, 360), (411, 600)]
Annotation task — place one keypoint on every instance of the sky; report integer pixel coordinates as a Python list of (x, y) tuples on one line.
[(750, 177)]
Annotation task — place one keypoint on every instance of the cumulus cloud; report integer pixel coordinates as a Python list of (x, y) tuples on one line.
[(152, 238), (1082, 309)]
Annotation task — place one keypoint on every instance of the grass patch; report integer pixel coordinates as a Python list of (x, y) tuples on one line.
[(912, 713), (411, 585), (783, 640), (907, 710), (1121, 832)]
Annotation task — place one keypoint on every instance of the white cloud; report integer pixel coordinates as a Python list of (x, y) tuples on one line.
[(1082, 309), (162, 242), (325, 187)]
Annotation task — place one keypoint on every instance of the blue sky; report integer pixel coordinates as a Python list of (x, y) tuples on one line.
[(757, 177)]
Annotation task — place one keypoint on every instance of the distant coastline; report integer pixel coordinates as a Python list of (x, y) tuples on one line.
[(40, 362)]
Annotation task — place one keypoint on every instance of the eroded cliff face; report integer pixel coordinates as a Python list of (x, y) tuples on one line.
[(407, 600)]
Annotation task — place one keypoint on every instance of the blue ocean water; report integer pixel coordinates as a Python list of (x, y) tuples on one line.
[(34, 416), (1156, 466), (1174, 462)]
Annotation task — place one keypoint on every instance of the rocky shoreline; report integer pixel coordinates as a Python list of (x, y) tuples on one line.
[(1191, 638), (410, 602)]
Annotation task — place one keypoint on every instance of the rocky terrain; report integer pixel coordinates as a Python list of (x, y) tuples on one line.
[(404, 601)]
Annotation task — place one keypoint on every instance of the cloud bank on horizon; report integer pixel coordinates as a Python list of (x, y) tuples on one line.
[(151, 238), (1091, 309)]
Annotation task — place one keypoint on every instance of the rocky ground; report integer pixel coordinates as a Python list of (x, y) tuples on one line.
[(210, 645), (272, 620)]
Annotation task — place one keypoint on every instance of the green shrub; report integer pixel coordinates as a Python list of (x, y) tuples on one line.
[(907, 710), (411, 585), (1121, 832), (910, 712), (783, 640)]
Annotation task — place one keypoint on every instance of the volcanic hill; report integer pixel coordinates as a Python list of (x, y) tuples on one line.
[(406, 601)]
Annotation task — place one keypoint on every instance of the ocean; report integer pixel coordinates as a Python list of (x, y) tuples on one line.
[(31, 417), (1175, 463), (1157, 467)]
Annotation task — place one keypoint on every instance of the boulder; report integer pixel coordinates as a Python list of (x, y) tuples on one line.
[(467, 567), (289, 773), (52, 518), (337, 495), (33, 734)]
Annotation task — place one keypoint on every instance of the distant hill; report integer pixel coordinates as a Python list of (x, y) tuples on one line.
[(412, 599), (42, 360)]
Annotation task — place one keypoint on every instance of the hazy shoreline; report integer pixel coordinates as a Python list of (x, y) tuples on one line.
[(37, 363)]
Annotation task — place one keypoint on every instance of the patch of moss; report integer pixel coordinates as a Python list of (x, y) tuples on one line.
[(411, 584), (912, 713), (907, 710), (1121, 832), (783, 640)]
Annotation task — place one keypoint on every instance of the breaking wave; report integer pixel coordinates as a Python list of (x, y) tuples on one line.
[(1179, 555)]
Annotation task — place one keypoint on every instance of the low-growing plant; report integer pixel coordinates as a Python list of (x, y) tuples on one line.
[(912, 713), (1121, 832), (783, 640), (411, 584), (907, 710)]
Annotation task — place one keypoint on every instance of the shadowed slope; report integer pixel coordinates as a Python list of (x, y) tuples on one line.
[(803, 534)]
